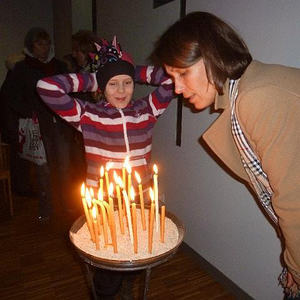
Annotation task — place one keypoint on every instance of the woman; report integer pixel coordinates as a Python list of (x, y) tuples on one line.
[(259, 126), (22, 99)]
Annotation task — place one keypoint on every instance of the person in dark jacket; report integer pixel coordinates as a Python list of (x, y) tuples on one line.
[(20, 96)]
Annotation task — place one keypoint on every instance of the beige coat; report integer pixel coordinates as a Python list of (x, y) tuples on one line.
[(268, 109)]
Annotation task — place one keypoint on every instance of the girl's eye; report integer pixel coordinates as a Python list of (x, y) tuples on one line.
[(112, 84), (128, 82)]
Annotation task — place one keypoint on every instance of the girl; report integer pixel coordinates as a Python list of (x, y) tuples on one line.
[(117, 126)]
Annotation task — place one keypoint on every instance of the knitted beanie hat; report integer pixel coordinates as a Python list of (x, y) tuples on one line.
[(110, 61)]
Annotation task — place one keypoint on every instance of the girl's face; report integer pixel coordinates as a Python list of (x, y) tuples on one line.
[(193, 83), (118, 91), (40, 49)]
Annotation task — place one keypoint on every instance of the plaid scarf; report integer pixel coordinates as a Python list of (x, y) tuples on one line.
[(258, 177), (250, 160)]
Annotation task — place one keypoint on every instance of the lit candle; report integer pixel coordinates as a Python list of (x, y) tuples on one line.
[(91, 192), (128, 215), (107, 168), (86, 211), (112, 215), (89, 206), (118, 182), (94, 213), (98, 216), (134, 226), (126, 161), (128, 178), (151, 221), (138, 178), (162, 223), (155, 181), (104, 218), (101, 178)]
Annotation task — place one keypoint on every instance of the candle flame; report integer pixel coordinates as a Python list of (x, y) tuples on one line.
[(137, 176), (82, 190), (100, 195), (151, 194), (115, 177), (111, 189), (118, 179), (92, 192), (88, 198), (155, 169), (102, 171), (94, 212), (127, 165), (125, 194), (109, 165), (126, 161), (132, 193), (128, 169), (120, 182)]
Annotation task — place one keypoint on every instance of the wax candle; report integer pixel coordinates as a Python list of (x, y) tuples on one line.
[(98, 217), (86, 211), (138, 179), (107, 168), (134, 227), (151, 221), (129, 178), (162, 223), (112, 215), (94, 213), (89, 207), (155, 182), (128, 215), (118, 181), (126, 161), (91, 192), (100, 202), (101, 178)]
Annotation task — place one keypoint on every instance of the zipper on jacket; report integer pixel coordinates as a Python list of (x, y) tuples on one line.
[(125, 131)]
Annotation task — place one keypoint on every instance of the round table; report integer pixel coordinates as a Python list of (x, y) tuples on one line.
[(134, 265)]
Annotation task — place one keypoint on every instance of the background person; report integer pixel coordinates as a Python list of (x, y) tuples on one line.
[(19, 92)]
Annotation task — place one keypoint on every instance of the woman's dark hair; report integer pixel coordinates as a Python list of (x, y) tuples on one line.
[(201, 35), (35, 34)]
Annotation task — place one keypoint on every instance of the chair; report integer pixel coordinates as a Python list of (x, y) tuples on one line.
[(5, 175)]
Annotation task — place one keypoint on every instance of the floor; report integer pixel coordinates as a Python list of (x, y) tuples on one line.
[(39, 262)]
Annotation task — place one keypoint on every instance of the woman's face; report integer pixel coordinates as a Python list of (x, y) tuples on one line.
[(193, 83), (118, 91), (40, 49)]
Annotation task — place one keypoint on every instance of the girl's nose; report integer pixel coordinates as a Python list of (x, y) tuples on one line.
[(121, 87)]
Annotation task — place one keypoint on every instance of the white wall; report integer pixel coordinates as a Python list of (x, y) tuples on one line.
[(223, 222)]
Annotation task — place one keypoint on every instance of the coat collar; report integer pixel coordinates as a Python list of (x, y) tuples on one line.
[(219, 136)]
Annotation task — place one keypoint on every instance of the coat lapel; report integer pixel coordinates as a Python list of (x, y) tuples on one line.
[(219, 137)]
